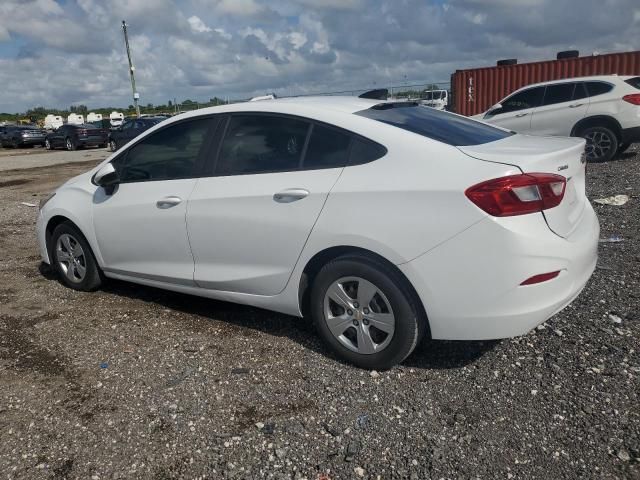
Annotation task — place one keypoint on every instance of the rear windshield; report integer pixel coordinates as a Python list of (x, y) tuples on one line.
[(634, 82), (441, 126), (87, 126)]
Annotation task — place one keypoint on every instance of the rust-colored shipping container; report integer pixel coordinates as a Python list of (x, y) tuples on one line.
[(475, 90)]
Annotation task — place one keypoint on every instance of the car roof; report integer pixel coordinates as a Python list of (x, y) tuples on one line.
[(601, 78), (308, 105)]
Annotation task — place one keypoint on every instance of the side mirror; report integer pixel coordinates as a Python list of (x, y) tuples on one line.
[(107, 178)]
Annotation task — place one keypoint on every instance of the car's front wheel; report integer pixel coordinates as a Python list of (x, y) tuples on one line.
[(602, 144), (365, 312), (47, 144), (73, 259)]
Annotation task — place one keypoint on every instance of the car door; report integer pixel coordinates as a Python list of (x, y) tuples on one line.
[(516, 111), (59, 136), (140, 228), (249, 222), (124, 133), (563, 105)]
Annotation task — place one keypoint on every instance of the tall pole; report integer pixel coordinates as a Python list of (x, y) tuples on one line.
[(136, 96)]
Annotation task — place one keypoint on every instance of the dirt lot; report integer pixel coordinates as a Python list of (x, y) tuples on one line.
[(11, 159), (133, 382)]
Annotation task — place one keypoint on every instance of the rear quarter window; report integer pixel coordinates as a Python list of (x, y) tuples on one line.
[(598, 88), (634, 82), (442, 126)]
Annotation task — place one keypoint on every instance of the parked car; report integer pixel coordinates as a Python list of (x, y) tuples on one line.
[(73, 137), (130, 129), (383, 222), (22, 136), (605, 110)]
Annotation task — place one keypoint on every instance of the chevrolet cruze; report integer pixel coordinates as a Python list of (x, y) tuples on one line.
[(383, 222)]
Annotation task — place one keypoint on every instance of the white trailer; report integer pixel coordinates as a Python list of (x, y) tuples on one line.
[(53, 122), (94, 117), (75, 119)]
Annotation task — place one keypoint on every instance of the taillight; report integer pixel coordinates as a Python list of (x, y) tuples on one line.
[(633, 98), (82, 132), (518, 194)]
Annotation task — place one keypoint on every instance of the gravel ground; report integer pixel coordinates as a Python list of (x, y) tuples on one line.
[(133, 382), (11, 159)]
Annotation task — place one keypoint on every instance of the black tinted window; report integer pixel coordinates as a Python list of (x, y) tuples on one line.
[(580, 91), (634, 82), (168, 154), (558, 93), (442, 126), (598, 88), (328, 148), (365, 151), (530, 98), (261, 143)]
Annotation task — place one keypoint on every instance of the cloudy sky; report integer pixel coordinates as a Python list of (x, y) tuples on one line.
[(64, 52)]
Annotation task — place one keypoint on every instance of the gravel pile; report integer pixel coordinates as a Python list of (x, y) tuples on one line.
[(133, 382)]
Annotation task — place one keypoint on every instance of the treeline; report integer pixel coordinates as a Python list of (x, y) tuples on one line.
[(39, 113)]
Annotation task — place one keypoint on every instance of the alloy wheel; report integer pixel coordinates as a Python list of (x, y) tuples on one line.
[(71, 258), (47, 144), (359, 315), (598, 144), (69, 144), (112, 145)]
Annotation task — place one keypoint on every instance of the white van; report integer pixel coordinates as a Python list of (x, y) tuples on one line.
[(116, 118)]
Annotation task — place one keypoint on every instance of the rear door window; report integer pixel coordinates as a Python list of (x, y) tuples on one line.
[(256, 143), (442, 126), (558, 93), (580, 91)]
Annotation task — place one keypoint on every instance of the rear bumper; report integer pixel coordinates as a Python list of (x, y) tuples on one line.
[(631, 135), (31, 141), (91, 142), (470, 285)]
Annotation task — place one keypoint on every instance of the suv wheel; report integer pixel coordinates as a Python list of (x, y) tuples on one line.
[(47, 144), (365, 313), (602, 144), (113, 146), (70, 144), (73, 259)]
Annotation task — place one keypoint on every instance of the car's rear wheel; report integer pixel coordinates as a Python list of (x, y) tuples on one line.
[(70, 144), (365, 312), (113, 146), (602, 144), (47, 144), (73, 259)]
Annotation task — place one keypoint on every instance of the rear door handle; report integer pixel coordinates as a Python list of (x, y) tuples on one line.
[(290, 195), (521, 115), (575, 105), (168, 202)]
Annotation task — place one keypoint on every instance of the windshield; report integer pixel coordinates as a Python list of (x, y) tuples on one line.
[(437, 95), (442, 126)]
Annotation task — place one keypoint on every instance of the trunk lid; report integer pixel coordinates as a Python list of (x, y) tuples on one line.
[(558, 155)]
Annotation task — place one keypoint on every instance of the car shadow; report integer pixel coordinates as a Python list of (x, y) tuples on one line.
[(429, 355)]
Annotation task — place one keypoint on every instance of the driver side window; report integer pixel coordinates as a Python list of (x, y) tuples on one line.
[(530, 98), (168, 154)]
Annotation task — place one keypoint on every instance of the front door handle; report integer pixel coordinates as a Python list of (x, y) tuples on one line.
[(575, 105), (521, 115), (290, 195), (168, 202)]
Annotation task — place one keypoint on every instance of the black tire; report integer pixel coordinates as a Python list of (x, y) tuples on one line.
[(113, 145), (70, 144), (92, 278), (410, 323), (623, 147), (602, 143), (47, 144)]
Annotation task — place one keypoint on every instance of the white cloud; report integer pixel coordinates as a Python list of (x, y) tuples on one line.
[(239, 7), (197, 25)]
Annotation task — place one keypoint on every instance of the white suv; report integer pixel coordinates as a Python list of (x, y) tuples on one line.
[(605, 110)]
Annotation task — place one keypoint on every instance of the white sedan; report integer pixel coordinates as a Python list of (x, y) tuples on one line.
[(383, 222)]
